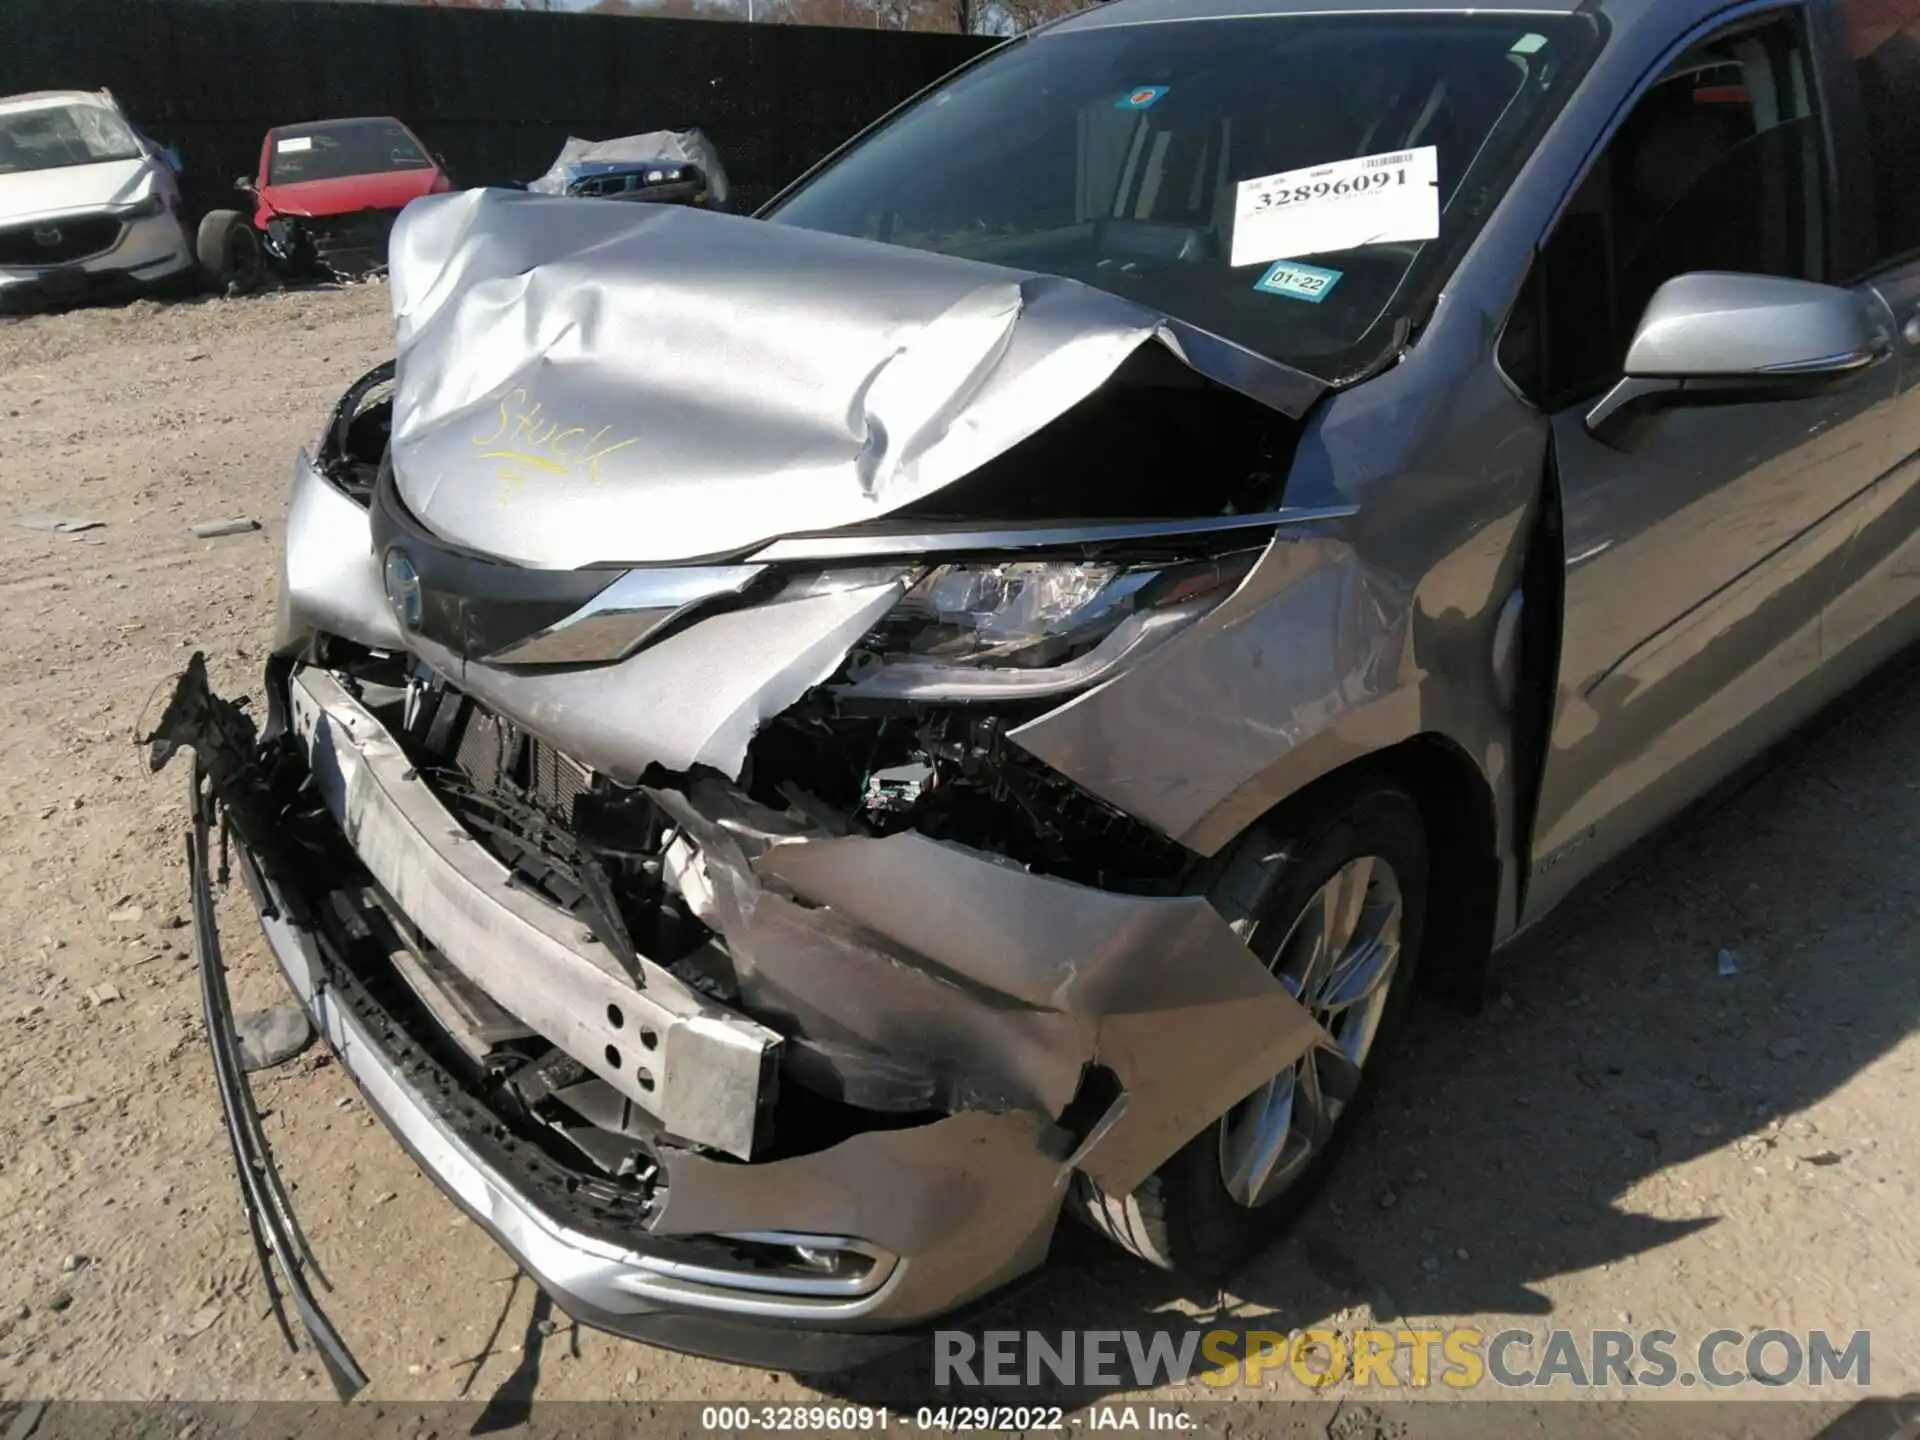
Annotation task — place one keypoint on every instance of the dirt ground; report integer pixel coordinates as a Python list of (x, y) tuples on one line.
[(1627, 1137)]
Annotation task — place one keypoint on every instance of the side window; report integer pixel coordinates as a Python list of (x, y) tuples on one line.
[(1883, 36), (1718, 167)]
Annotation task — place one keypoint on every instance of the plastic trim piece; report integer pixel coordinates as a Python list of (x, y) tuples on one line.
[(852, 545), (618, 621), (269, 1211)]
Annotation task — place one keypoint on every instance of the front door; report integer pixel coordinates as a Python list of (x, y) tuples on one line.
[(1878, 608), (1699, 553)]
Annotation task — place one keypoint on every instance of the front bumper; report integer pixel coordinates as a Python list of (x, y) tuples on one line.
[(624, 1291), (962, 1205), (145, 253), (880, 962)]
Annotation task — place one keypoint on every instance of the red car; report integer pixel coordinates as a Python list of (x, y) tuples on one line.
[(326, 195)]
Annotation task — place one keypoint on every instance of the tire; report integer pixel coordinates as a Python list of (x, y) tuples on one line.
[(229, 252), (1184, 1217)]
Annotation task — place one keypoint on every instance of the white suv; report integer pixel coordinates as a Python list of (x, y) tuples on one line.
[(86, 202)]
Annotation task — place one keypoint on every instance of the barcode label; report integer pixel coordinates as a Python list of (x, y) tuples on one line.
[(1368, 200)]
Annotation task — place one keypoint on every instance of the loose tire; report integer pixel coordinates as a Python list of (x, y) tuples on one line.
[(229, 251), (1349, 862)]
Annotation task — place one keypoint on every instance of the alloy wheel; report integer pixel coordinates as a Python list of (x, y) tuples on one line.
[(1338, 959)]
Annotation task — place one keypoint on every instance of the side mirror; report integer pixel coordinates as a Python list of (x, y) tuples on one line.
[(1716, 338), (243, 183)]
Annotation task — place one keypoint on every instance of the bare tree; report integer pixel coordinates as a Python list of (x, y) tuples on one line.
[(1023, 15), (539, 5), (670, 9), (864, 14)]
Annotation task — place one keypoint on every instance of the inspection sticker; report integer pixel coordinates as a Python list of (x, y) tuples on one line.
[(1141, 97), (1301, 282), (296, 142), (1371, 200)]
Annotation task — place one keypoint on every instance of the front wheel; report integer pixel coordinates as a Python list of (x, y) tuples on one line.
[(228, 249), (1330, 892)]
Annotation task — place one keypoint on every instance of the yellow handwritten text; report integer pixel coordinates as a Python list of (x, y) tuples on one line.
[(527, 443)]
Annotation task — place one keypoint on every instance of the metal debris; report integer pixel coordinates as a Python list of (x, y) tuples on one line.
[(214, 529), (58, 524)]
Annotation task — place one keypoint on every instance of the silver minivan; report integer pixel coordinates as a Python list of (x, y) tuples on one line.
[(800, 749)]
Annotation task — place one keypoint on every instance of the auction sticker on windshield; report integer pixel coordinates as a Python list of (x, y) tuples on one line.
[(1370, 200), (1302, 282)]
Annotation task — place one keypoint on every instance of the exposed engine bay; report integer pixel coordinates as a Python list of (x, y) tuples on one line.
[(855, 757)]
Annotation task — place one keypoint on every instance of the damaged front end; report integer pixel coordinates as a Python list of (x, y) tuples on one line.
[(712, 930), (347, 247)]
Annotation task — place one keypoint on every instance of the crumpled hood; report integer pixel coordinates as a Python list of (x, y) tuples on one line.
[(589, 381)]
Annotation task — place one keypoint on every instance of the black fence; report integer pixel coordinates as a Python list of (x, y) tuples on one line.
[(495, 92)]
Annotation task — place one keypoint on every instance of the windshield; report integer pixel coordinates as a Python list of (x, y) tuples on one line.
[(1293, 183), (332, 149), (53, 136)]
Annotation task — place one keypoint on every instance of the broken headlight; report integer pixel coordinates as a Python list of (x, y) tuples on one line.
[(980, 630), (1027, 612)]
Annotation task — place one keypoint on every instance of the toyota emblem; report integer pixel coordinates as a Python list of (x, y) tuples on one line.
[(403, 588), (48, 236)]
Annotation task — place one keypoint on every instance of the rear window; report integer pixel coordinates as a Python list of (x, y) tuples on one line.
[(337, 148)]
